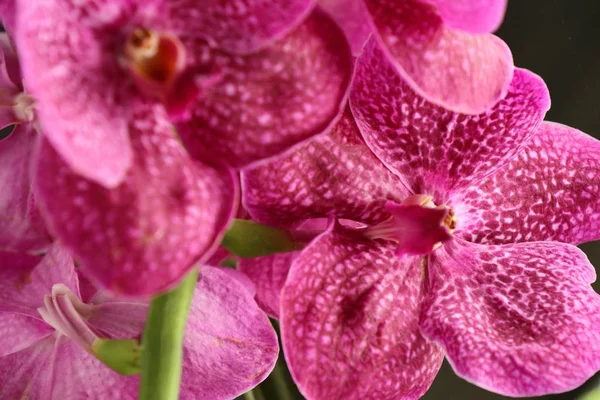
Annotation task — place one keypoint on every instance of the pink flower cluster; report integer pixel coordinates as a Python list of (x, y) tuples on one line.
[(440, 210)]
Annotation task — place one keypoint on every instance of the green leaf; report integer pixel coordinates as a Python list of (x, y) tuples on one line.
[(120, 355), (249, 239)]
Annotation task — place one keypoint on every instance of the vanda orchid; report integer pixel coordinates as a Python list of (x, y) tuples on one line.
[(466, 248), (119, 86)]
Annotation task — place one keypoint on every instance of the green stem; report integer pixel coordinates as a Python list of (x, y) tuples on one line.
[(162, 342)]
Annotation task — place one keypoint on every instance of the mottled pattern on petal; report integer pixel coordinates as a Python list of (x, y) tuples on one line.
[(19, 332), (69, 53), (548, 192), (230, 345), (20, 229), (349, 320), (333, 173), (462, 72), (352, 16), (79, 375), (519, 320), (24, 279), (239, 26), (435, 150), (476, 16), (144, 235), (268, 275), (270, 100)]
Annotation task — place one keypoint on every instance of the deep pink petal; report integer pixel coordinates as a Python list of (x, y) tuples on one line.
[(349, 321), (268, 275), (519, 320), (230, 345), (20, 230), (8, 14), (119, 319), (237, 26), (333, 173), (24, 279), (352, 16), (459, 71), (20, 331), (435, 150), (475, 16), (144, 235), (548, 192), (268, 101)]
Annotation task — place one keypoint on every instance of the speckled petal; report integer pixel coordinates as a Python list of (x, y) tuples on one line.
[(435, 150), (519, 320), (460, 71), (333, 173), (239, 26), (20, 331), (352, 16), (70, 63), (268, 275), (230, 345), (144, 235), (25, 279), (20, 227), (476, 16), (349, 321), (548, 192), (270, 100)]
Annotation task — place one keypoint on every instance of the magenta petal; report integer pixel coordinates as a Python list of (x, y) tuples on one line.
[(20, 331), (230, 345), (519, 320), (239, 27), (475, 16), (20, 229), (456, 70), (268, 275), (119, 319), (24, 279), (435, 150), (144, 235), (352, 16), (333, 173), (82, 97), (349, 320), (548, 192), (268, 101)]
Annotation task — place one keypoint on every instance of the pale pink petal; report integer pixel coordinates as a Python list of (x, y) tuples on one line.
[(268, 275), (349, 320), (475, 16), (19, 332), (24, 279), (119, 319), (20, 229), (457, 70), (436, 151), (549, 191), (333, 173), (519, 320), (237, 26), (230, 345), (144, 235), (352, 16), (267, 101)]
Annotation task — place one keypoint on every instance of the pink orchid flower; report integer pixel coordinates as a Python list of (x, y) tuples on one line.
[(488, 275), (50, 318)]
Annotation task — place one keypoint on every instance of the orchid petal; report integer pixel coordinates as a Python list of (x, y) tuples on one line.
[(434, 150), (230, 345), (549, 191), (351, 15), (144, 235), (268, 275), (119, 319), (456, 70), (349, 321), (519, 320), (235, 26), (267, 101), (475, 16), (333, 173), (20, 331)]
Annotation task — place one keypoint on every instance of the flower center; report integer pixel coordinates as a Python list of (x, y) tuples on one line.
[(67, 314)]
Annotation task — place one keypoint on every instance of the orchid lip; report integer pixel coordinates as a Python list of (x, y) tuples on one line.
[(67, 314)]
